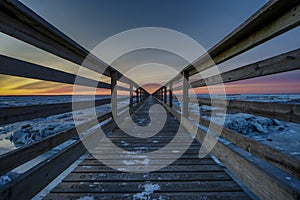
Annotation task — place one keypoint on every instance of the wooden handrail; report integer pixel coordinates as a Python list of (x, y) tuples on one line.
[(281, 111), (273, 19), (20, 22), (21, 113), (15, 67)]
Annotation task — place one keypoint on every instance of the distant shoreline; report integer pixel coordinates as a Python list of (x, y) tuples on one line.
[(125, 95)]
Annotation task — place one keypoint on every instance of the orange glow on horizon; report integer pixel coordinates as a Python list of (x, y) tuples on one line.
[(20, 86)]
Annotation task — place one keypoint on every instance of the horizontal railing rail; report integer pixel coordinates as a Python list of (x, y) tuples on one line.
[(15, 67), (20, 22), (15, 114), (273, 19), (282, 63), (282, 111)]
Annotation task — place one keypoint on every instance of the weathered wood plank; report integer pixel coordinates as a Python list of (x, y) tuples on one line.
[(282, 63), (153, 176), (40, 175), (188, 175), (281, 111), (206, 161), (20, 22), (187, 186), (170, 168), (233, 195), (15, 67), (257, 29), (273, 19)]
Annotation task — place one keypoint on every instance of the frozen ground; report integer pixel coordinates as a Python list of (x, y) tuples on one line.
[(17, 134), (9, 101), (284, 136), (279, 98)]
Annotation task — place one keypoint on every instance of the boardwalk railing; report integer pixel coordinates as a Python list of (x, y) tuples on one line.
[(20, 22), (261, 168), (265, 170)]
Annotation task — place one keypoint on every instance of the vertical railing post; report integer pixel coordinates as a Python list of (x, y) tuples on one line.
[(165, 94), (137, 95), (185, 94), (130, 94), (113, 78), (171, 95)]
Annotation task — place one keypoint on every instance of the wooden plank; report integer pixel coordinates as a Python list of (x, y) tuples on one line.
[(40, 175), (14, 158), (22, 113), (284, 161), (185, 94), (252, 171), (171, 95), (114, 102), (233, 195), (277, 64), (187, 175), (187, 186), (281, 111), (153, 176), (15, 67), (131, 95), (170, 168), (205, 161)]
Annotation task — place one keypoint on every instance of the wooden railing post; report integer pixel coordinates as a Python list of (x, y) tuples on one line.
[(171, 95), (114, 104), (137, 95), (185, 94), (131, 94), (165, 94)]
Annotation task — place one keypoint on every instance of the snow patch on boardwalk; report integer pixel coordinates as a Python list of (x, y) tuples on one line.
[(149, 188)]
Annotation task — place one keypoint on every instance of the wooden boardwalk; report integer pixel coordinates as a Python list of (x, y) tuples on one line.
[(187, 178)]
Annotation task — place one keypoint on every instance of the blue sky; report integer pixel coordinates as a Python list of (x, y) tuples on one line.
[(90, 22)]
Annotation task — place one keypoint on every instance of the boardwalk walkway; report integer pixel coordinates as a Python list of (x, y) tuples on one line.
[(187, 178)]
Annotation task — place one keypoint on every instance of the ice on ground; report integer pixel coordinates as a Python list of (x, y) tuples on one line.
[(279, 134), (4, 179), (149, 188), (26, 132), (10, 101), (86, 198), (278, 98), (135, 162)]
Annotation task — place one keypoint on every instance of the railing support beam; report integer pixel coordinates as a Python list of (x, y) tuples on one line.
[(114, 93), (185, 95), (171, 95)]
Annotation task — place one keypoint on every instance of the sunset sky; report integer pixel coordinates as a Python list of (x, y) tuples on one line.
[(90, 22)]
